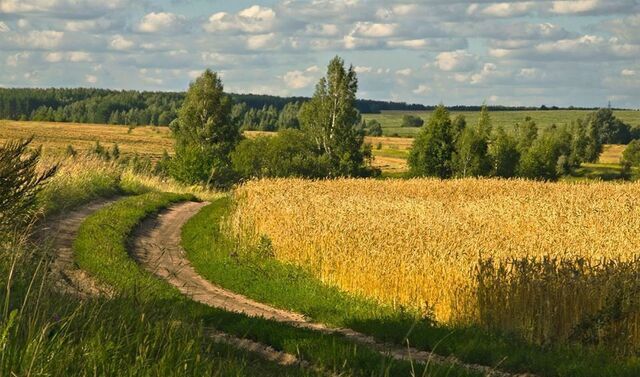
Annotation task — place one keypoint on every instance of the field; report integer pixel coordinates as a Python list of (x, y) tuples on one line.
[(465, 251), (55, 137), (501, 274), (392, 120)]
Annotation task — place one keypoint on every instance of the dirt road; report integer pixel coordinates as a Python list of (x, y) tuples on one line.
[(156, 246)]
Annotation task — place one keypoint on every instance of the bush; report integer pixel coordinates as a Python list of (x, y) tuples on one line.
[(20, 182), (632, 153), (374, 128), (288, 154), (412, 121)]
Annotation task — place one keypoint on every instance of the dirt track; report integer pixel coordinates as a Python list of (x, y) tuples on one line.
[(62, 230), (156, 246)]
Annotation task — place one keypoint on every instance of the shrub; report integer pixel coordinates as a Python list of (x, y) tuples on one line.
[(412, 121), (20, 182)]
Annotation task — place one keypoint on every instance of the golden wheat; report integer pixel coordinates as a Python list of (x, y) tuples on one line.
[(421, 243)]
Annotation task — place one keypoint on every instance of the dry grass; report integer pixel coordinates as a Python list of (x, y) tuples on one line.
[(55, 137), (612, 154), (421, 243)]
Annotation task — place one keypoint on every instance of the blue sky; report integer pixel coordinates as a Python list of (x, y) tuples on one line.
[(583, 52)]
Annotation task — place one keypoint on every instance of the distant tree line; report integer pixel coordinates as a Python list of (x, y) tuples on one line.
[(135, 108), (448, 148)]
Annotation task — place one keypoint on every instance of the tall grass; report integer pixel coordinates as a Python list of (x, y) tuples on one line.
[(426, 244), (44, 332)]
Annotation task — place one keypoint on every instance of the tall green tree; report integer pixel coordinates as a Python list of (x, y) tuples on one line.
[(485, 125), (331, 119), (504, 154), (204, 134), (471, 158), (433, 147)]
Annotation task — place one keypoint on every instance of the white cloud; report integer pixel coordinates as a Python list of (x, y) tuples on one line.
[(410, 44), (324, 30), (13, 60), (360, 69), (91, 79), (628, 72), (89, 25), (456, 61), (374, 30), (79, 56), (404, 72), (300, 79), (39, 39), (574, 6), (255, 19), (121, 43), (261, 41), (504, 10), (3, 27), (422, 89), (487, 70), (161, 22), (54, 57), (23, 24)]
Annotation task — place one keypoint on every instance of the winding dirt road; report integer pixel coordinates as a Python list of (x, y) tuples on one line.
[(61, 231), (156, 246)]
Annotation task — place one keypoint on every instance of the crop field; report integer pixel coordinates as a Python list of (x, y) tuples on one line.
[(391, 121), (466, 251), (55, 137)]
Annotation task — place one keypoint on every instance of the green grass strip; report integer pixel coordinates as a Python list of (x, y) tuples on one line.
[(101, 249), (265, 279)]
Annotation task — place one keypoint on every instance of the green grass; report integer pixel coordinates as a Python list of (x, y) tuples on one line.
[(44, 332), (255, 274), (392, 120), (101, 249)]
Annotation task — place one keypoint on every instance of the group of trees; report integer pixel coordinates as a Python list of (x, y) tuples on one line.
[(268, 118), (134, 108), (90, 106), (448, 148), (329, 143)]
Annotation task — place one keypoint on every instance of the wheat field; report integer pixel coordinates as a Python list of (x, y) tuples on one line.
[(463, 250)]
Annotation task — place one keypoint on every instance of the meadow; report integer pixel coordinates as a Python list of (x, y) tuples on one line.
[(391, 121)]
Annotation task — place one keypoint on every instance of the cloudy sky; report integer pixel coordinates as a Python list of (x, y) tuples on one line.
[(583, 52)]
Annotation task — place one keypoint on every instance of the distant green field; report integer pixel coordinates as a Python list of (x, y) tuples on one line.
[(392, 120)]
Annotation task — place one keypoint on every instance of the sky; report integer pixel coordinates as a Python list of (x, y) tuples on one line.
[(580, 53)]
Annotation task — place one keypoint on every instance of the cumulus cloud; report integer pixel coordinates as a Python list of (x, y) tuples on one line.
[(261, 41), (300, 79), (520, 51), (161, 22), (515, 9), (422, 89), (575, 6), (456, 61), (121, 43), (91, 79), (255, 19)]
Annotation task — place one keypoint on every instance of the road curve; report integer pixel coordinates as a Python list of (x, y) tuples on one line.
[(156, 246), (61, 231)]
